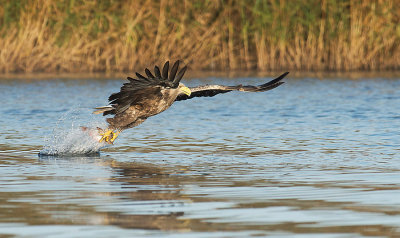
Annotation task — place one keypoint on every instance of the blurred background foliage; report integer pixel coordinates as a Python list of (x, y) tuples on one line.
[(117, 35)]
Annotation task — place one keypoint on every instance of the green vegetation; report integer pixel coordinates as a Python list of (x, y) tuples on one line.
[(118, 35)]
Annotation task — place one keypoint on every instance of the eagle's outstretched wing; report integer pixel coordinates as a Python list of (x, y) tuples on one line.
[(141, 87), (212, 90)]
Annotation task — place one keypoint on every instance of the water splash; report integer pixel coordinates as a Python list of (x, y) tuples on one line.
[(68, 138)]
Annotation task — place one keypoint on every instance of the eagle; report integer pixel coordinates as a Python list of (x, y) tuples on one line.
[(146, 96)]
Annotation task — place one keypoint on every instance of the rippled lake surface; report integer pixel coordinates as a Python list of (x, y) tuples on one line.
[(312, 158)]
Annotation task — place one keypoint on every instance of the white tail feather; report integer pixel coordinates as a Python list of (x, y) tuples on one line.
[(103, 109)]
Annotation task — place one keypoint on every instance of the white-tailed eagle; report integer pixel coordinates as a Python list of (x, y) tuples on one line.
[(143, 97)]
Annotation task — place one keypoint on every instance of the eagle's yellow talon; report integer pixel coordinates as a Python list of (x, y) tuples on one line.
[(109, 136), (114, 136), (106, 136)]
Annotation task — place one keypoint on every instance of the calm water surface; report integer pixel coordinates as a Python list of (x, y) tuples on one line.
[(310, 158)]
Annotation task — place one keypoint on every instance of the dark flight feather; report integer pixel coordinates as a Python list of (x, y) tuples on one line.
[(165, 70), (212, 90), (174, 69), (157, 72), (180, 75), (141, 76), (148, 73)]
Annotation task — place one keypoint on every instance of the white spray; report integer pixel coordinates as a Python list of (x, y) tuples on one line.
[(69, 138)]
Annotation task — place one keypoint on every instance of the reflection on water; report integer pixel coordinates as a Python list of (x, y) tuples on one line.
[(311, 157)]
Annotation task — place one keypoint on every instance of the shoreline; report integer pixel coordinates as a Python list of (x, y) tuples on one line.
[(193, 74)]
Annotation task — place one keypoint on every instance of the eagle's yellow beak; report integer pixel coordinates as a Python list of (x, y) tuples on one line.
[(186, 90)]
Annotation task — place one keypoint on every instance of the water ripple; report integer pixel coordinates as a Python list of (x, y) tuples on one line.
[(313, 157)]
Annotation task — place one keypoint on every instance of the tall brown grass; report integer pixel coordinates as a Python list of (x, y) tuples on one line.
[(116, 35)]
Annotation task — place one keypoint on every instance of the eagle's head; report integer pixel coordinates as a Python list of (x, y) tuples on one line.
[(183, 89)]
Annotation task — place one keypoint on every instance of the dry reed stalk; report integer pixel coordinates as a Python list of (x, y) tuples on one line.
[(93, 35)]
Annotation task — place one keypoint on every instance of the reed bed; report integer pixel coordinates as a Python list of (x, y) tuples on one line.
[(118, 36)]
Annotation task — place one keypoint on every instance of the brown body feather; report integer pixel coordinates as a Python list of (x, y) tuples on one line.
[(155, 102)]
